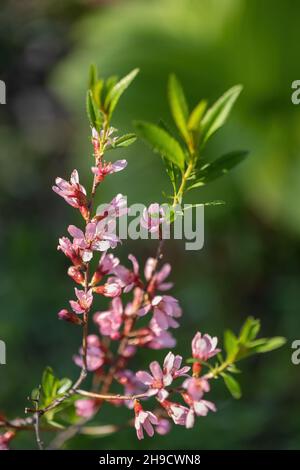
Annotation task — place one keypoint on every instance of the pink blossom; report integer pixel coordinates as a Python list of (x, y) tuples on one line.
[(144, 420), (5, 439), (73, 193), (163, 426), (204, 347), (110, 321), (76, 274), (196, 387), (70, 251), (157, 278), (84, 302), (152, 217), (112, 288), (162, 340), (95, 355), (198, 408), (116, 208), (68, 316), (129, 279), (97, 237), (162, 377), (86, 408), (166, 309), (106, 168), (107, 264), (177, 412)]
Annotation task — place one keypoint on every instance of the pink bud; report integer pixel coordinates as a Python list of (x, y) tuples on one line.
[(70, 317)]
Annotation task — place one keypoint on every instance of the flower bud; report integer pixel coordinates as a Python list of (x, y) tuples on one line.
[(76, 274), (70, 317)]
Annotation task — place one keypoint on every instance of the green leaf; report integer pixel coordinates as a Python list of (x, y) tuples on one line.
[(249, 330), (216, 116), (196, 116), (115, 93), (48, 383), (64, 385), (211, 171), (268, 345), (232, 385), (161, 142), (94, 113), (171, 171), (178, 105), (93, 76), (124, 141), (231, 344)]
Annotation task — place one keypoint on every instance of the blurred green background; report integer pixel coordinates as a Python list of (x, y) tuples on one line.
[(250, 262)]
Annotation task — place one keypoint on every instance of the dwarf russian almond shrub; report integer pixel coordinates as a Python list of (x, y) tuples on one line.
[(175, 392)]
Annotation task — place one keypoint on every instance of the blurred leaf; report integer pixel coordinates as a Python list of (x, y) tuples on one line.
[(48, 383), (249, 330), (64, 385), (267, 345), (218, 168), (232, 385), (93, 76), (171, 171), (94, 113), (178, 105), (115, 93), (216, 116), (161, 142)]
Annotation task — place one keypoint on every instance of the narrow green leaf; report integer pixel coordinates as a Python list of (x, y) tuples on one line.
[(196, 116), (115, 93), (218, 168), (93, 76), (178, 105), (64, 385), (216, 116), (161, 142), (124, 141), (93, 112), (232, 385), (230, 344), (48, 383), (249, 330), (268, 345)]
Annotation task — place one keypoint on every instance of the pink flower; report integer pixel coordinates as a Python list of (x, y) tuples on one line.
[(144, 420), (95, 355), (162, 377), (157, 278), (196, 387), (103, 169), (162, 340), (70, 251), (198, 408), (97, 237), (152, 217), (165, 309), (68, 316), (110, 321), (86, 408), (116, 208), (177, 412), (84, 302), (107, 264), (129, 279), (5, 439), (204, 347), (73, 193), (112, 288), (163, 426)]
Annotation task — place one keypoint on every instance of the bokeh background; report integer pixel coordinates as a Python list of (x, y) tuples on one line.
[(251, 260)]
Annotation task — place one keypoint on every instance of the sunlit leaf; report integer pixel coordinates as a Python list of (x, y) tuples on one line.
[(178, 105)]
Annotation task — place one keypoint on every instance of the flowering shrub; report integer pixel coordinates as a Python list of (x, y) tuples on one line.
[(176, 391)]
